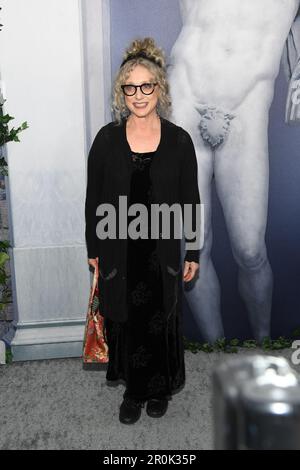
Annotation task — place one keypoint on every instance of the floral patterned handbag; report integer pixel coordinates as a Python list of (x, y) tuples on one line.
[(95, 348)]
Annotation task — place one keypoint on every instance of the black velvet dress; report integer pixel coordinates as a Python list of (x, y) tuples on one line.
[(146, 351)]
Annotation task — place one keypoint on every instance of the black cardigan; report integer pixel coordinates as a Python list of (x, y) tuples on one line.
[(174, 175)]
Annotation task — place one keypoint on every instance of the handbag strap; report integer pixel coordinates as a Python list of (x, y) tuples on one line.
[(94, 284)]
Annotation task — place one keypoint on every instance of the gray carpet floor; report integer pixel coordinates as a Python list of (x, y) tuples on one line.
[(58, 404)]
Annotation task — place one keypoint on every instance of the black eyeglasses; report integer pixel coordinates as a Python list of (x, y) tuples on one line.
[(146, 88)]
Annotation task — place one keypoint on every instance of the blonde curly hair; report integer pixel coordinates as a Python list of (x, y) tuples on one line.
[(147, 46)]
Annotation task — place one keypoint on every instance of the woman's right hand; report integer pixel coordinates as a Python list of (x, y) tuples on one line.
[(93, 262)]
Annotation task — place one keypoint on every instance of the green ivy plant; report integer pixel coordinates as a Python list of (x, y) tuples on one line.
[(232, 345), (6, 135)]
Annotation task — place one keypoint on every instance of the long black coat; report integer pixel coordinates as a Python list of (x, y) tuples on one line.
[(174, 175)]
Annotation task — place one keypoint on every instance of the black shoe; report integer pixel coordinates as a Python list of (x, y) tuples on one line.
[(130, 410), (156, 407)]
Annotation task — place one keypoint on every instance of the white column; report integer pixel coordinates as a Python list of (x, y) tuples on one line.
[(53, 79)]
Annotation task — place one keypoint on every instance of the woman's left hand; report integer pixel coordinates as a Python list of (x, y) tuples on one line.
[(190, 269)]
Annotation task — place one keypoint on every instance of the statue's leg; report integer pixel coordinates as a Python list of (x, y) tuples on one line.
[(242, 178), (203, 293)]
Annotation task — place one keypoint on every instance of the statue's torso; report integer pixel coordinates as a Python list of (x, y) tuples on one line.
[(224, 48)]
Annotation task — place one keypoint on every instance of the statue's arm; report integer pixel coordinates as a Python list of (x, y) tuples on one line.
[(291, 50), (291, 67)]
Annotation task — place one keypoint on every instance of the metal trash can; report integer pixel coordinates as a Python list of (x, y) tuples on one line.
[(256, 404)]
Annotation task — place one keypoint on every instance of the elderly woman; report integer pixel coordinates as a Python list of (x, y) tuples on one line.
[(142, 158)]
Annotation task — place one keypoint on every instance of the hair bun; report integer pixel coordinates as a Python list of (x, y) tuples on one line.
[(148, 47)]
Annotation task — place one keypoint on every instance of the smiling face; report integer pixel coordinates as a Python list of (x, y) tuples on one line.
[(139, 104)]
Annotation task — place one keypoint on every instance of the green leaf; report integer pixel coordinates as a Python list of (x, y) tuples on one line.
[(207, 347), (3, 258), (249, 343), (220, 343), (8, 355), (6, 118)]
